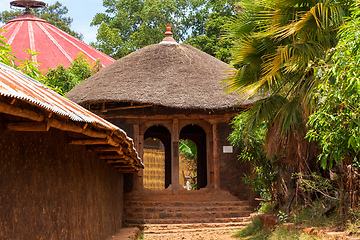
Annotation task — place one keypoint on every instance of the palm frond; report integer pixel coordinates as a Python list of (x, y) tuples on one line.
[(290, 116), (263, 110)]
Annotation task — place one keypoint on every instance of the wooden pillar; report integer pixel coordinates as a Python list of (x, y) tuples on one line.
[(175, 157), (210, 160), (216, 156), (138, 144)]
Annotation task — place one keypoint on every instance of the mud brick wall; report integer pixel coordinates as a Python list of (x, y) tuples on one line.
[(231, 169), (52, 190)]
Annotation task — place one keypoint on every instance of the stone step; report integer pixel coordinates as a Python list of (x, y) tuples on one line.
[(185, 214), (204, 208), (151, 228), (225, 229), (183, 196), (129, 204), (139, 222)]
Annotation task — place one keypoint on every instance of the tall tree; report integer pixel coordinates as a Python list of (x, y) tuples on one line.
[(62, 79), (211, 42), (55, 14), (335, 123), (129, 25), (278, 46)]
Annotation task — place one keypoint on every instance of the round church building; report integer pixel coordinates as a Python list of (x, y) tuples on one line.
[(169, 98)]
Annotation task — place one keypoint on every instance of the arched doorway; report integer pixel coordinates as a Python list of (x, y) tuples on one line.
[(188, 164), (197, 135), (159, 137)]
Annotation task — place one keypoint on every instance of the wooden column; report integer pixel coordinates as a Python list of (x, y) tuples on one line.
[(138, 140), (210, 160), (175, 157), (216, 155)]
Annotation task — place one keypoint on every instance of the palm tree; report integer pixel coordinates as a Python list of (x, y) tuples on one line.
[(279, 45)]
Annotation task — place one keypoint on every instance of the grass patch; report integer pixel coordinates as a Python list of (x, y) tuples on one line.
[(316, 216), (256, 231), (266, 207)]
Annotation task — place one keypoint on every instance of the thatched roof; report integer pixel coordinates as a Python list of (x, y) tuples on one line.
[(171, 75)]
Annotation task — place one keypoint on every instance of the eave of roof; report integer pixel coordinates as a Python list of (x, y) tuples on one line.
[(16, 85)]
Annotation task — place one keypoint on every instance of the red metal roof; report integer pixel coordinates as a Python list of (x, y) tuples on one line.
[(54, 45)]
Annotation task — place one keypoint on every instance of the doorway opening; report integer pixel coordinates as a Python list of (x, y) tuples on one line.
[(195, 137), (188, 164), (157, 158)]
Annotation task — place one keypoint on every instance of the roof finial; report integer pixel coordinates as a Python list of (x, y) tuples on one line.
[(27, 4), (168, 39)]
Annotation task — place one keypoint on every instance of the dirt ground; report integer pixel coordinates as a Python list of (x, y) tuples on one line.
[(203, 235)]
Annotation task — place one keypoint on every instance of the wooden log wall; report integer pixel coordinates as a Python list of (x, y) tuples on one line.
[(40, 121), (52, 190)]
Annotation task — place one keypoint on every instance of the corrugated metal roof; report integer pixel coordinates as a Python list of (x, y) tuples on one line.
[(54, 45), (17, 85)]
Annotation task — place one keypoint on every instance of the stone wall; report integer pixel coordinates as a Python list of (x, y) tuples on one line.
[(231, 169), (52, 190)]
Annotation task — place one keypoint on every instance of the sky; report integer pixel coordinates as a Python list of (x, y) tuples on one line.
[(81, 11)]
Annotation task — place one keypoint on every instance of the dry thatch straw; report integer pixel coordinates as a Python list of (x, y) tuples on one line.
[(171, 75)]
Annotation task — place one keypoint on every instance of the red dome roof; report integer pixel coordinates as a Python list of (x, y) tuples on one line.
[(54, 45)]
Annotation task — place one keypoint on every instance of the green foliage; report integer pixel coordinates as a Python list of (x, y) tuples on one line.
[(283, 217), (211, 42), (314, 183), (63, 80), (279, 48), (276, 47), (318, 215), (252, 145), (54, 14), (188, 149), (353, 223), (27, 66), (266, 207), (335, 123), (254, 231), (129, 25), (188, 152)]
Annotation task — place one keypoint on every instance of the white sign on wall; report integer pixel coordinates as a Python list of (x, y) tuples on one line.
[(227, 149)]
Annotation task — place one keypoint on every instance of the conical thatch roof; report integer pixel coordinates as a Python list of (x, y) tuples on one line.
[(171, 75)]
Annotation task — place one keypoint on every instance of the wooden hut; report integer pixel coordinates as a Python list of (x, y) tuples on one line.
[(172, 91), (61, 166)]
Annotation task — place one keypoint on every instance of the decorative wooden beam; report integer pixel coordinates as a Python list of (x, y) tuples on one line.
[(124, 167), (127, 170), (19, 112), (71, 127), (167, 117), (27, 126), (128, 107), (107, 149), (108, 157), (89, 141), (117, 161)]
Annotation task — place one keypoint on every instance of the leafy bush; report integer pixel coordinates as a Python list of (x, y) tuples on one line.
[(253, 151), (63, 80)]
